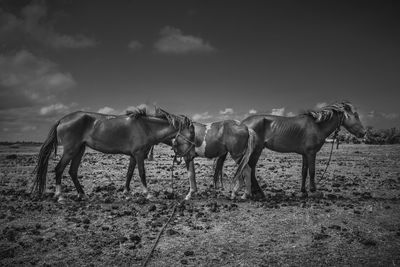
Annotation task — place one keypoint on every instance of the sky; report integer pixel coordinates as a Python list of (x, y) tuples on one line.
[(209, 60)]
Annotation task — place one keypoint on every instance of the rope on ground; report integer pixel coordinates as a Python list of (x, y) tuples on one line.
[(160, 233), (170, 217)]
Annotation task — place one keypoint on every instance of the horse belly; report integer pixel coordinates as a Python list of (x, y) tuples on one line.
[(283, 144), (108, 147), (110, 141), (210, 149)]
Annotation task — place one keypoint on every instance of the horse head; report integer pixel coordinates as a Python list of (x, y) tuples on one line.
[(351, 121), (183, 142)]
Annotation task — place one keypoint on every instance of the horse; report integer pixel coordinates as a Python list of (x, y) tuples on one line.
[(304, 134), (130, 134), (216, 140)]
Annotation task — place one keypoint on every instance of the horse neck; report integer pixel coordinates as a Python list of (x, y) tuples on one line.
[(161, 130), (327, 127)]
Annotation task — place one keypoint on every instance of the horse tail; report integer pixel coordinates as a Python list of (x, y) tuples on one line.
[(251, 144), (48, 146)]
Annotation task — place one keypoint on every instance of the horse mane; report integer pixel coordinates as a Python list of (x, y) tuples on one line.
[(176, 121), (326, 113), (138, 112)]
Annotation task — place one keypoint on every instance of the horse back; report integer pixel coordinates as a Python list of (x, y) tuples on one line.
[(218, 138), (298, 134), (235, 137), (105, 133), (75, 126), (284, 134)]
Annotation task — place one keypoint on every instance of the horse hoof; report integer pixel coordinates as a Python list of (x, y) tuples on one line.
[(149, 196), (316, 194), (303, 195), (61, 200), (82, 197), (245, 196), (258, 196), (190, 195)]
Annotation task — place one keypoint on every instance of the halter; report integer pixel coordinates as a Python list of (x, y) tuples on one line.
[(192, 144), (182, 155)]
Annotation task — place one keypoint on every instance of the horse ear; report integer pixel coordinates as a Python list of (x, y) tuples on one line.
[(347, 108)]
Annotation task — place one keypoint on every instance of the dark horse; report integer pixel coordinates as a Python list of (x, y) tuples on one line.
[(303, 134), (132, 134), (217, 139)]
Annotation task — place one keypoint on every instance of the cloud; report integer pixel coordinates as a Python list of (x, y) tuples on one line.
[(66, 41), (390, 116), (135, 45), (107, 110), (320, 105), (173, 41), (53, 109), (278, 111), (379, 115), (201, 116), (34, 23), (371, 114), (27, 80), (290, 114), (252, 111), (227, 111)]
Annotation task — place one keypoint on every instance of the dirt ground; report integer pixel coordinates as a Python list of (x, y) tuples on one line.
[(356, 222)]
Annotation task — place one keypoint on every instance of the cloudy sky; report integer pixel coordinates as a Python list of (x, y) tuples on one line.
[(211, 60)]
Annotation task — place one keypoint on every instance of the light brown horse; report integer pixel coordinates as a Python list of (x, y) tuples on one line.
[(132, 134), (303, 134), (217, 139)]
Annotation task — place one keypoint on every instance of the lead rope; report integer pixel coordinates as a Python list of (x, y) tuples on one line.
[(335, 137), (177, 204), (172, 173), (160, 233)]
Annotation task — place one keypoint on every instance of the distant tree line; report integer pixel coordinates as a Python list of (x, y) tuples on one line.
[(7, 143), (373, 137)]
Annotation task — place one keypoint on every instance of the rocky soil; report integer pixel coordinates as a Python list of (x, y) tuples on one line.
[(356, 222)]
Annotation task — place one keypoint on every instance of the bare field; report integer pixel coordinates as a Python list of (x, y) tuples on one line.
[(356, 222)]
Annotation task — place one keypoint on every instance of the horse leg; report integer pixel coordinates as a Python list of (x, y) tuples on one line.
[(142, 174), (304, 171), (221, 176), (73, 172), (247, 181), (311, 170), (131, 169), (218, 171), (65, 159), (256, 191), (192, 178)]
